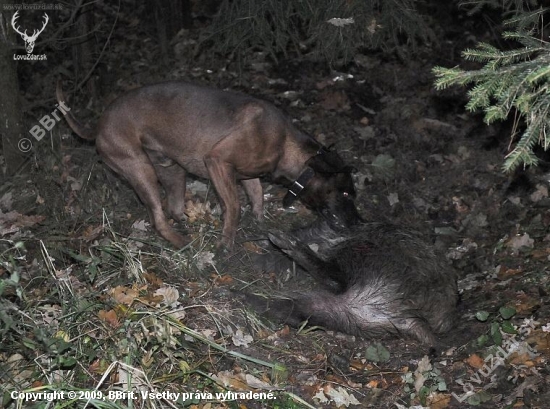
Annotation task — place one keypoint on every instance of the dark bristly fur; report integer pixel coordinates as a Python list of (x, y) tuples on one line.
[(378, 280)]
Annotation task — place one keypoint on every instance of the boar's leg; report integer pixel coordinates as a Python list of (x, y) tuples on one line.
[(327, 273)]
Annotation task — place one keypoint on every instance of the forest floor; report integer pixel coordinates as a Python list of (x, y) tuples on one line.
[(421, 161)]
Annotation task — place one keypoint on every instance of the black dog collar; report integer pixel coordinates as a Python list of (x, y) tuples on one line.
[(300, 183), (296, 188)]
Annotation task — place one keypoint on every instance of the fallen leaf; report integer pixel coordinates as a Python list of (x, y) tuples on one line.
[(109, 317), (393, 198), (475, 361), (16, 367), (383, 166), (140, 225), (541, 340), (373, 384), (377, 353), (423, 366), (463, 152), (438, 400), (240, 339), (541, 254), (526, 304), (198, 211), (76, 184), (475, 220), (284, 332), (460, 206), (539, 194), (62, 335), (204, 259), (365, 132), (152, 279), (341, 397), (223, 280), (170, 295), (504, 273), (334, 100), (251, 246), (230, 380), (98, 366), (151, 299), (518, 242), (11, 222), (256, 383), (521, 359), (124, 295), (320, 396), (91, 233)]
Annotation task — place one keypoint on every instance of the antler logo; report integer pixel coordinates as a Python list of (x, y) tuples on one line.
[(29, 40)]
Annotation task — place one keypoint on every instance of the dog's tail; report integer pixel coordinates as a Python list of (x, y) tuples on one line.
[(78, 128)]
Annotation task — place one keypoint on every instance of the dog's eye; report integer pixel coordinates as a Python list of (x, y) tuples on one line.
[(345, 194)]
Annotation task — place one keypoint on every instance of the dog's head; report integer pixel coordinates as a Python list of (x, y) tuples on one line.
[(329, 189)]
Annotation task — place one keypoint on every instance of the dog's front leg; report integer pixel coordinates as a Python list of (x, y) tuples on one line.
[(222, 175), (254, 191)]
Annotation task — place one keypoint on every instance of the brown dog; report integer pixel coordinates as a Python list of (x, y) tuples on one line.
[(160, 132)]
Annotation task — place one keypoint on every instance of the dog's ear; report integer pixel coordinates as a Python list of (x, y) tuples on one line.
[(328, 162)]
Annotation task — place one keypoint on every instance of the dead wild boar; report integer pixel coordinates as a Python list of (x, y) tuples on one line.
[(377, 279)]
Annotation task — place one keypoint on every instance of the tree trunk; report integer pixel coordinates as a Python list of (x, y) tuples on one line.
[(170, 16), (85, 51), (14, 148)]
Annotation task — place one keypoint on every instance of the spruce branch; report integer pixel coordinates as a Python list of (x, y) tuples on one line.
[(525, 19), (514, 81)]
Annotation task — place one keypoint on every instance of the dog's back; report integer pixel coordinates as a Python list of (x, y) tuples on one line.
[(184, 121)]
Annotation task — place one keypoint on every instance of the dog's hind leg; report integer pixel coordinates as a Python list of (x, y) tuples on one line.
[(172, 177), (138, 170)]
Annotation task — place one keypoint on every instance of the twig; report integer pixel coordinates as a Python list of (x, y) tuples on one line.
[(102, 51)]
